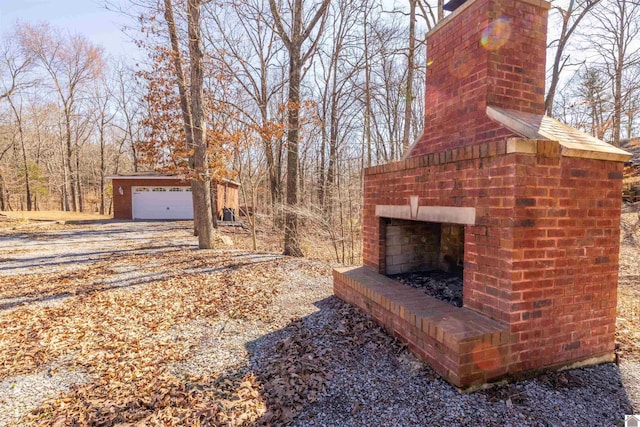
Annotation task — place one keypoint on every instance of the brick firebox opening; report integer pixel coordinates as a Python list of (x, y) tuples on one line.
[(415, 246), (426, 255)]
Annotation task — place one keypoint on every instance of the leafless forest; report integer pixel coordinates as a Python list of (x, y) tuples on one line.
[(291, 98)]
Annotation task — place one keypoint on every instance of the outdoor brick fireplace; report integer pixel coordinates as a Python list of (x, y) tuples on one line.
[(528, 209)]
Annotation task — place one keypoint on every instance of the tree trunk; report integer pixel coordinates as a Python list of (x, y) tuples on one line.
[(214, 204), (408, 98), (79, 181), (333, 152), (202, 191), (565, 34), (102, 170), (194, 118), (293, 42), (64, 202), (3, 205), (71, 192), (620, 65), (555, 74), (27, 186), (275, 185), (322, 161), (632, 110), (367, 100), (25, 165), (291, 244), (275, 182)]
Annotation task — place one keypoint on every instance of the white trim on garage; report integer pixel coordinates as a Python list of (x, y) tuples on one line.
[(161, 202)]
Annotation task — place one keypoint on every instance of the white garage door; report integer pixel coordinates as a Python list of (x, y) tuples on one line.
[(162, 203)]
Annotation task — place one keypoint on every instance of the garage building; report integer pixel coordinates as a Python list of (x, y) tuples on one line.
[(152, 196)]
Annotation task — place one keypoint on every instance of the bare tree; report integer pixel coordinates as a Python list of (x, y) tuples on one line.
[(293, 39), (596, 102), (632, 104), (17, 111), (126, 92), (72, 63), (431, 15), (16, 65), (250, 166), (252, 55), (408, 95), (42, 117), (617, 31), (339, 61), (366, 137), (571, 18), (103, 116)]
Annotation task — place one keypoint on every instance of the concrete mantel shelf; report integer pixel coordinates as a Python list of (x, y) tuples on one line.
[(447, 214)]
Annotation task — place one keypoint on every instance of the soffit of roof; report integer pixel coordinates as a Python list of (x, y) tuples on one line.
[(176, 177), (574, 142)]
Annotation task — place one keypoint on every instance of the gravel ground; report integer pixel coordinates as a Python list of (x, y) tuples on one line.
[(362, 376), (375, 383), (21, 393)]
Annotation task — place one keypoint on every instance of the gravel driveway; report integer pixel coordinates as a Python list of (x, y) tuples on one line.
[(266, 343)]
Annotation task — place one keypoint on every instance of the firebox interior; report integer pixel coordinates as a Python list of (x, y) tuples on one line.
[(427, 256), (417, 246)]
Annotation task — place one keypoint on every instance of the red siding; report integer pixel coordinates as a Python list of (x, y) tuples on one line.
[(122, 203)]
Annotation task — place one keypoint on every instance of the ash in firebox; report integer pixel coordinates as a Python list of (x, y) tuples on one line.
[(444, 286)]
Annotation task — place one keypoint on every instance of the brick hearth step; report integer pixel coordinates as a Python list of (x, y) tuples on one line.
[(465, 347)]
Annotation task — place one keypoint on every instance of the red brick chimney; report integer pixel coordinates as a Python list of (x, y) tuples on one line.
[(486, 53)]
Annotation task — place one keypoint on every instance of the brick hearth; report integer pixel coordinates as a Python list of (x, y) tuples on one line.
[(539, 204), (464, 346)]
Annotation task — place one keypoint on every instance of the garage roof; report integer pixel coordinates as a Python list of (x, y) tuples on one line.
[(155, 175)]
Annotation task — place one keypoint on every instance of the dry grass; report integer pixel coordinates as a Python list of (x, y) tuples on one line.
[(26, 216), (314, 243), (628, 322)]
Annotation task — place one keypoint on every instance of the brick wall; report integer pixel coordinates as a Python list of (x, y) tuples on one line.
[(422, 246), (466, 73), (565, 260), (411, 246), (466, 348), (543, 254)]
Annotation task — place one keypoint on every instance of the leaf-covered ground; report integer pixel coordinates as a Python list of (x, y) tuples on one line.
[(122, 312), (129, 324)]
